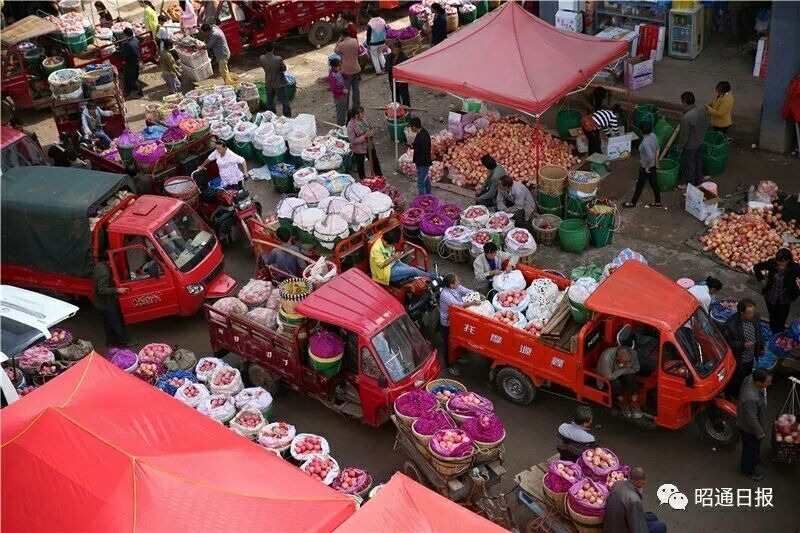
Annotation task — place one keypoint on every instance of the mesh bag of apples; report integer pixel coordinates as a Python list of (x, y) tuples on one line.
[(467, 403), (561, 475), (352, 480), (621, 474), (514, 300), (323, 468), (277, 435), (588, 498), (171, 381), (431, 422), (597, 463), (451, 443)]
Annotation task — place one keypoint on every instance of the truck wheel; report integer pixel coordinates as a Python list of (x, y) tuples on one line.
[(717, 427), (515, 386), (261, 377), (321, 33)]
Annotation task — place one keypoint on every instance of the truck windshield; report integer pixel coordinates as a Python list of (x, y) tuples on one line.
[(401, 348), (23, 153), (185, 239), (702, 343)]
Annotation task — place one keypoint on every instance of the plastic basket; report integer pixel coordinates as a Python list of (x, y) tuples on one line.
[(546, 236), (567, 119), (573, 234), (667, 175), (601, 236), (579, 312)]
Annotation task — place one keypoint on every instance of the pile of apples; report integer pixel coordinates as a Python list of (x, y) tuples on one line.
[(471, 399), (249, 419), (57, 336), (498, 221), (318, 467), (207, 366), (176, 382), (520, 235), (474, 212), (441, 143), (147, 370), (567, 472), (535, 327), (589, 493), (450, 439), (48, 370), (224, 377), (349, 479), (511, 298), (308, 445), (743, 240), (613, 477), (507, 316), (786, 343), (154, 353), (218, 402), (482, 237), (191, 391), (600, 458), (787, 429), (513, 144)]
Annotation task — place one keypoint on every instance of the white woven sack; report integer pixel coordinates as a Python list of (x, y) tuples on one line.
[(234, 387), (332, 204), (243, 132), (306, 219), (519, 308), (192, 401), (304, 176), (313, 192), (326, 449), (504, 229), (516, 247), (222, 413), (337, 183), (332, 473), (307, 124), (273, 145), (458, 235), (476, 248), (269, 441), (288, 205), (283, 126), (356, 192), (204, 375), (329, 229), (478, 221), (379, 203), (247, 431), (357, 215), (313, 152), (509, 281)]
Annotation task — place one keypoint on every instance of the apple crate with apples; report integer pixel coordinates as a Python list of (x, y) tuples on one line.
[(786, 430)]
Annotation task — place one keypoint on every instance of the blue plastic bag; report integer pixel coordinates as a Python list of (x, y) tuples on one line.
[(164, 384)]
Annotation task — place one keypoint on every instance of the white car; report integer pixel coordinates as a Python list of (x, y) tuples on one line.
[(25, 319)]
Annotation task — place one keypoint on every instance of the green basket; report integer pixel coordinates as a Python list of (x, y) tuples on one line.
[(601, 236), (576, 208), (177, 145), (54, 68), (283, 184), (667, 175), (34, 58), (573, 235), (473, 105), (306, 238), (326, 369), (126, 154), (567, 119), (398, 133), (258, 156), (579, 312), (243, 149), (262, 95), (605, 220), (76, 43), (549, 201), (483, 7), (664, 130), (272, 160), (645, 112), (714, 165), (466, 18), (198, 134), (716, 143), (89, 31)]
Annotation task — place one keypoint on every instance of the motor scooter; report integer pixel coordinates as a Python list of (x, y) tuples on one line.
[(226, 209)]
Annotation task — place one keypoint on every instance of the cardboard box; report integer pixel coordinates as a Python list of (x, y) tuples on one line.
[(619, 147), (570, 5), (620, 34), (582, 144), (700, 203), (569, 20), (638, 72)]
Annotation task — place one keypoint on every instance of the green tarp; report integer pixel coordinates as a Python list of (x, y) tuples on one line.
[(45, 216)]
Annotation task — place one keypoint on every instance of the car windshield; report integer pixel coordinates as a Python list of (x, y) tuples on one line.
[(16, 336), (401, 348), (23, 153), (702, 343), (185, 239)]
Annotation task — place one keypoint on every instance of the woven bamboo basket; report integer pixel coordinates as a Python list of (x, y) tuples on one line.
[(448, 466), (455, 252), (452, 22), (584, 524), (430, 242), (527, 257), (552, 180), (559, 499), (588, 187), (549, 236), (444, 381), (411, 47)]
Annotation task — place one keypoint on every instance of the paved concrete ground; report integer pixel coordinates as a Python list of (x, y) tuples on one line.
[(669, 456)]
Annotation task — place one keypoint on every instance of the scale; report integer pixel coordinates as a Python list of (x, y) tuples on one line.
[(599, 164)]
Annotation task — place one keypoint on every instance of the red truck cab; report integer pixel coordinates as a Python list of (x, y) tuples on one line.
[(58, 222), (685, 361), (385, 354), (18, 150)]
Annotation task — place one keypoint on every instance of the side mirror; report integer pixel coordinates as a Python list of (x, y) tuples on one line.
[(382, 382), (689, 379)]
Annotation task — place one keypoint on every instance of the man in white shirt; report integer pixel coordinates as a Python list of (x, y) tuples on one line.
[(92, 123), (232, 167), (706, 291)]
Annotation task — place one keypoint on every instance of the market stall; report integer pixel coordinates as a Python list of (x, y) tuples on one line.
[(180, 465), (540, 64), (402, 505)]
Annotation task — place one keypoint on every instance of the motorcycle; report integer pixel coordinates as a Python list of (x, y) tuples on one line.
[(226, 209)]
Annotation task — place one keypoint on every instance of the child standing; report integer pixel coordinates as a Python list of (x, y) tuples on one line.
[(337, 86), (648, 162)]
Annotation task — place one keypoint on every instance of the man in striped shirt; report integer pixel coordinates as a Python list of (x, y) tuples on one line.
[(605, 120)]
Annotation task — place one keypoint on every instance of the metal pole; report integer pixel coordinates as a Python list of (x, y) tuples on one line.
[(396, 137)]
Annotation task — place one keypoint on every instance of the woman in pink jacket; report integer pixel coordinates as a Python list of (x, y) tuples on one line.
[(360, 134)]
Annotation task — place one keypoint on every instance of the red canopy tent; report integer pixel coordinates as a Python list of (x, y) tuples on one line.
[(511, 58), (405, 506), (98, 450)]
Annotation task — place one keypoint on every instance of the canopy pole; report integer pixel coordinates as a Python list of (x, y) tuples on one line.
[(396, 136), (537, 139)]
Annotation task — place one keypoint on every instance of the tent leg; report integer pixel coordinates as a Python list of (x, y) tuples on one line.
[(537, 140), (396, 141)]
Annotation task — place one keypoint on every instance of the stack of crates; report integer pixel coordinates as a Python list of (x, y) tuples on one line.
[(196, 65)]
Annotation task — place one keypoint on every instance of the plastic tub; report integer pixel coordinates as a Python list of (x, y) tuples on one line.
[(573, 234), (667, 175)]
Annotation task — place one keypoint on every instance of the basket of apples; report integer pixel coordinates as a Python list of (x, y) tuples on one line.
[(515, 300), (451, 451), (586, 502), (353, 480), (48, 371), (226, 380), (786, 439), (444, 389), (560, 476), (475, 216), (323, 468), (248, 422), (617, 475), (306, 445), (597, 463)]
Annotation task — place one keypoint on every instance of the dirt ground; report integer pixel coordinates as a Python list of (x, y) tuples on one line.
[(669, 456)]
